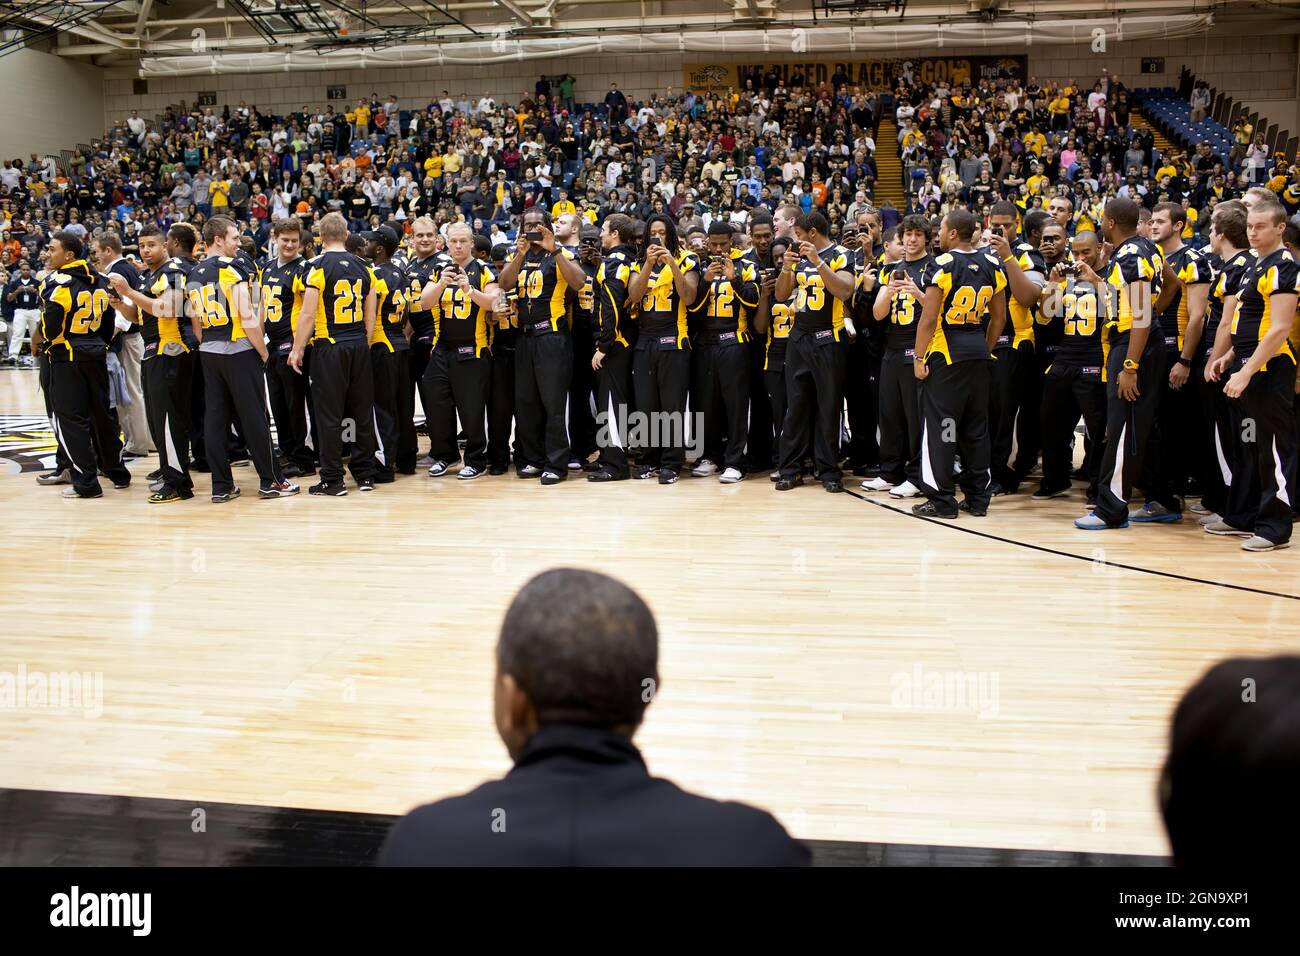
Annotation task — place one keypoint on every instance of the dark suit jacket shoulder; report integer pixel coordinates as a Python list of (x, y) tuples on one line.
[(583, 797)]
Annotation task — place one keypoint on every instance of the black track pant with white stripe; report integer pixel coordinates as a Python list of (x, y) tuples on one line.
[(613, 403), (61, 460), (394, 431), (543, 375), (582, 391), (900, 421), (1215, 455), (501, 404), (343, 398), (167, 381), (774, 380), (234, 387), (84, 422), (1263, 487), (955, 419), (1128, 431), (722, 388)]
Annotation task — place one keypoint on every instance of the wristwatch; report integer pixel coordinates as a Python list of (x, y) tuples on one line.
[(1187, 363), (1130, 365)]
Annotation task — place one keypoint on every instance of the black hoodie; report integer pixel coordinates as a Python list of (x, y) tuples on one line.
[(74, 307)]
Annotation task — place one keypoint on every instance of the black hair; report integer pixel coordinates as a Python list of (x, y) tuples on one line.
[(1232, 776), (584, 648), (671, 243)]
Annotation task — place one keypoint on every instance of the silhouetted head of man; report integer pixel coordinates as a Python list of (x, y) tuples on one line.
[(1232, 778), (576, 647)]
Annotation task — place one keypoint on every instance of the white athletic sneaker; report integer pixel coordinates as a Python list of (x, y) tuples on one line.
[(905, 490), (1255, 543), (704, 469), (469, 473), (1210, 518), (731, 476), (877, 484)]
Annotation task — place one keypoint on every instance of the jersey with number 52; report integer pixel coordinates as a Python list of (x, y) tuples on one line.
[(343, 282)]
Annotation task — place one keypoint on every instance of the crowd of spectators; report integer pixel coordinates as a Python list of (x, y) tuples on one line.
[(698, 157)]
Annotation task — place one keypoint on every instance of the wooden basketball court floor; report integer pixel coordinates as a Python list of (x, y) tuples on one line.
[(865, 674)]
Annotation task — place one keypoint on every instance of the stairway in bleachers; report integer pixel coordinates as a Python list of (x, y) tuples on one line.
[(889, 166)]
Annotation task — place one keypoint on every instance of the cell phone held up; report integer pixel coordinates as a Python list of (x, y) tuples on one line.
[(533, 236)]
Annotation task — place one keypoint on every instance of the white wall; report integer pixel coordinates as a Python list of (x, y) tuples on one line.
[(48, 103)]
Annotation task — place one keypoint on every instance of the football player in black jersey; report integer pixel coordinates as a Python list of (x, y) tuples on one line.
[(666, 284), (464, 294), (338, 317), (426, 260), (582, 320), (75, 302), (615, 336), (819, 273), (1135, 362), (1217, 452), (544, 273), (1255, 354), (1073, 385), (390, 357), (232, 349), (170, 354), (962, 317), (280, 293), (899, 305)]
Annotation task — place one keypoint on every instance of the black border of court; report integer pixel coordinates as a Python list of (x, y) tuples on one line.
[(959, 526)]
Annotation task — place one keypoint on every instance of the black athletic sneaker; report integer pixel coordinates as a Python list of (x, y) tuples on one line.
[(334, 490), (975, 511), (605, 474), (551, 477), (219, 499), (384, 477), (643, 472), (833, 485), (1045, 493), (153, 475), (295, 470), (785, 484), (667, 476), (167, 495), (497, 469), (928, 509), (365, 484)]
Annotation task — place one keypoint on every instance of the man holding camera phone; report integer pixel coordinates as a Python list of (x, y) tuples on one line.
[(463, 296), (543, 272), (667, 284), (1073, 385), (722, 358)]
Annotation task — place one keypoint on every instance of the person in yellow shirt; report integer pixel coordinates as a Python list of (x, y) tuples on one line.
[(1036, 181), (451, 161), (1166, 170), (1060, 107), (1189, 227), (220, 192), (562, 205), (362, 114), (433, 167), (1035, 142)]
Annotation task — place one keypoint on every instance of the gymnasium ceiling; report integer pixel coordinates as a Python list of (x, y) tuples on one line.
[(158, 37)]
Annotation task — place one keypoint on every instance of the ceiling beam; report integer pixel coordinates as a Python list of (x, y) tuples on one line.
[(146, 7), (524, 16)]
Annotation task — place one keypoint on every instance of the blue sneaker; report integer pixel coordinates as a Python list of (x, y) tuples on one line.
[(1092, 522), (1154, 511)]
